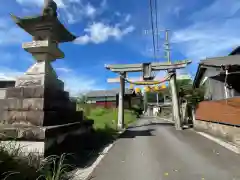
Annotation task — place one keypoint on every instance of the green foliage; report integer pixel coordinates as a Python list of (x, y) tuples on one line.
[(152, 96), (137, 109), (192, 95), (184, 83), (186, 91), (14, 164), (108, 117), (82, 99), (54, 168)]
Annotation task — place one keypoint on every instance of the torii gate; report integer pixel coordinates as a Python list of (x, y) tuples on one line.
[(147, 69)]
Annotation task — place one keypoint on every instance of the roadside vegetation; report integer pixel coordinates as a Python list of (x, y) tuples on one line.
[(193, 96), (13, 165)]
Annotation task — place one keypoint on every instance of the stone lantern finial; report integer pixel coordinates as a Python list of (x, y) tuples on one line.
[(50, 8)]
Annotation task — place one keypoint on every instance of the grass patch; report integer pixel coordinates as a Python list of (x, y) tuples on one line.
[(14, 165), (105, 131), (107, 118)]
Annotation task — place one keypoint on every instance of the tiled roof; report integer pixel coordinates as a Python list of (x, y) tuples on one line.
[(218, 61), (102, 93)]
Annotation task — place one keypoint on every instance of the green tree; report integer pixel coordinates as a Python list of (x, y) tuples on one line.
[(186, 91), (82, 98)]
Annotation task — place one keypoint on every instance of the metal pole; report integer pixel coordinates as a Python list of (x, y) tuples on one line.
[(121, 102), (225, 85), (175, 102), (167, 48), (145, 102)]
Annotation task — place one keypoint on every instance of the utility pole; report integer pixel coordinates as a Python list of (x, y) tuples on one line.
[(173, 85), (167, 46)]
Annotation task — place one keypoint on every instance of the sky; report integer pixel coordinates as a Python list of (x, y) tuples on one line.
[(112, 32)]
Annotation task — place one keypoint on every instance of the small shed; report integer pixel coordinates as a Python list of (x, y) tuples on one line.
[(5, 82), (108, 98)]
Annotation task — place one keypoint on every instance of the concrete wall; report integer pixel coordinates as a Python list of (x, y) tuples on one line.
[(225, 132), (214, 90), (155, 111), (2, 93)]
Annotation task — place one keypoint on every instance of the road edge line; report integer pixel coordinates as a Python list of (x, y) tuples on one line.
[(227, 145), (88, 171)]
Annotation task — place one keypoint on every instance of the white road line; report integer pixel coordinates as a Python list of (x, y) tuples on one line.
[(84, 174), (221, 142)]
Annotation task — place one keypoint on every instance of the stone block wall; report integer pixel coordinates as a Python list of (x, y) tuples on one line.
[(37, 106)]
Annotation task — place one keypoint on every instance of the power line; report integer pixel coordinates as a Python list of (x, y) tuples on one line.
[(152, 26), (156, 13)]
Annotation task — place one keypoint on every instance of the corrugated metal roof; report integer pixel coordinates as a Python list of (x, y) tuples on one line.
[(235, 51), (102, 93), (218, 61)]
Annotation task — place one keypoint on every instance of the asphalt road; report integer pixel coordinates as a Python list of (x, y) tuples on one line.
[(154, 150)]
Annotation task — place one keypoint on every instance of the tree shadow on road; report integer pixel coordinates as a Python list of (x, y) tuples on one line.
[(154, 124), (130, 133)]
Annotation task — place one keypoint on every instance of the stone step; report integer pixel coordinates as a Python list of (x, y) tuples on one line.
[(37, 104), (40, 118), (36, 92)]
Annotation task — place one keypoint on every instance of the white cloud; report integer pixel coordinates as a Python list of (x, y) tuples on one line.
[(99, 33), (128, 18), (117, 13), (215, 10), (76, 83), (40, 3), (9, 73), (103, 4), (206, 39), (211, 34), (64, 69), (90, 10), (177, 10), (71, 10), (11, 34), (76, 12)]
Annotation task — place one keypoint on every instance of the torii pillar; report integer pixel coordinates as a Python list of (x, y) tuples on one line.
[(175, 101), (121, 101)]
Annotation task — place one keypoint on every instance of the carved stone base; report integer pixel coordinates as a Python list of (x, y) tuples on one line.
[(42, 141), (40, 74)]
